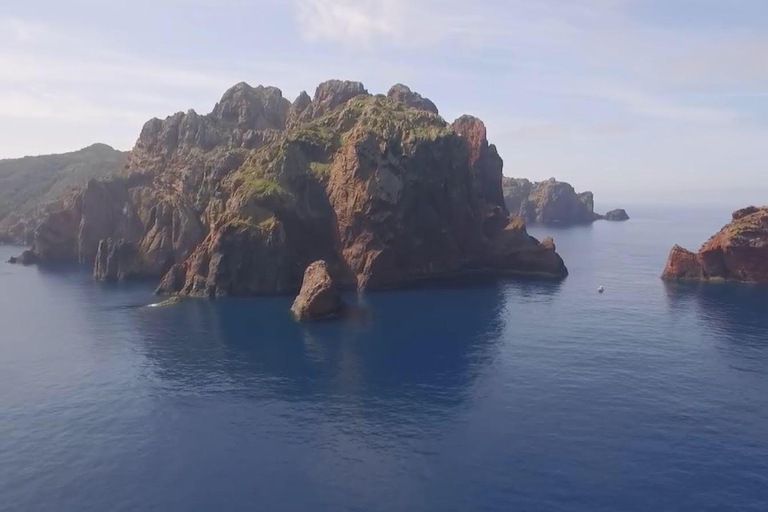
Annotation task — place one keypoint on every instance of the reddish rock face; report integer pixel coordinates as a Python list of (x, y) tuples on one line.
[(319, 297), (243, 200), (682, 264), (738, 252)]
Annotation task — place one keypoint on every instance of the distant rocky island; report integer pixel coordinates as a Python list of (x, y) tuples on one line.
[(553, 202), (242, 200), (30, 186), (738, 252)]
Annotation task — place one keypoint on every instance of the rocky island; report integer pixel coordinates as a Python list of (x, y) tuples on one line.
[(618, 215), (242, 200), (552, 202), (738, 252)]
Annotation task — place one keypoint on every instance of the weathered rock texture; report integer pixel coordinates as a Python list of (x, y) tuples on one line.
[(616, 215), (738, 252), (242, 200), (404, 94), (319, 296), (116, 260)]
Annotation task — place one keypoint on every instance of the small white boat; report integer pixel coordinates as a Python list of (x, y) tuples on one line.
[(600, 289)]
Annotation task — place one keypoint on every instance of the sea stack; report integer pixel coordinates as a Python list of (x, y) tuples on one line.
[(319, 297), (738, 252)]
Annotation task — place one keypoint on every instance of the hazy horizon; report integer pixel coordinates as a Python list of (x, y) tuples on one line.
[(638, 101)]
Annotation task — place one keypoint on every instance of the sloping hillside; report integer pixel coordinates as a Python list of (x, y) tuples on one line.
[(30, 182)]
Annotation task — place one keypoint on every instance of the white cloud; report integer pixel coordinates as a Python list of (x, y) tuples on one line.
[(350, 20), (52, 75), (392, 22)]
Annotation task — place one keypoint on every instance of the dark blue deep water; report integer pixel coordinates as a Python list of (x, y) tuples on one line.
[(518, 395)]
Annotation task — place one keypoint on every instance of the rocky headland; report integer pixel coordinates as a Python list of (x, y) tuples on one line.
[(551, 202), (240, 201), (738, 252), (30, 187)]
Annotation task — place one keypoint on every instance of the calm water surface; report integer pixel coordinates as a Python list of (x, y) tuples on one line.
[(518, 395)]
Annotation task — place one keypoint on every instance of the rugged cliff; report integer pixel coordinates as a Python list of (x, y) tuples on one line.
[(550, 202), (242, 200), (738, 252), (30, 186)]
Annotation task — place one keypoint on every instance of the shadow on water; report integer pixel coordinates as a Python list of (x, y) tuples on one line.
[(413, 347), (732, 312), (533, 290)]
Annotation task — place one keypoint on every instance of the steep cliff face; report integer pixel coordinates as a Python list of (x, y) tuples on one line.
[(738, 252), (242, 200), (549, 202)]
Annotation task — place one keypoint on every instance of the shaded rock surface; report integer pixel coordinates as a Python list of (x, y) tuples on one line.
[(319, 296), (242, 200), (116, 260), (738, 252), (616, 215)]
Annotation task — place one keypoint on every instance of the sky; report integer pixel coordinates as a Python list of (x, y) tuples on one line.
[(636, 100)]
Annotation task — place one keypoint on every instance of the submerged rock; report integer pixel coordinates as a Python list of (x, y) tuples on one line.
[(616, 215), (319, 297), (738, 252), (167, 302)]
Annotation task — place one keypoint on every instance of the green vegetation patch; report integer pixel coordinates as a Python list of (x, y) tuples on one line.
[(319, 169)]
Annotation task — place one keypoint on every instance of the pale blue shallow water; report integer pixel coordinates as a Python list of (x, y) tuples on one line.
[(517, 395)]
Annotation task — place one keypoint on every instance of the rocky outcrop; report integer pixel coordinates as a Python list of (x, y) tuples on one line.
[(242, 200), (552, 202), (738, 252), (26, 258), (403, 94), (330, 95), (549, 202), (682, 264), (319, 297), (616, 215)]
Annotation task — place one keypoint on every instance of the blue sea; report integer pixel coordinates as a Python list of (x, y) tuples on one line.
[(492, 396)]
